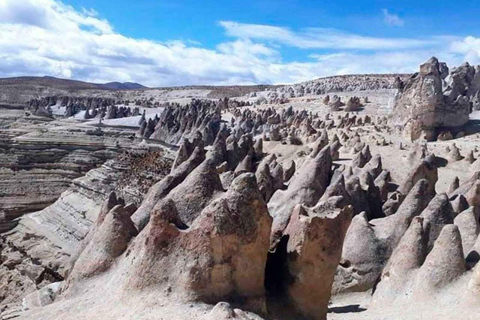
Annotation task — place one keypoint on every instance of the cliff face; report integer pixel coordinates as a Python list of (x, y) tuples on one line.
[(38, 248), (38, 163)]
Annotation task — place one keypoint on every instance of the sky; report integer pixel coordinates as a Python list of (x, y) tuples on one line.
[(171, 43)]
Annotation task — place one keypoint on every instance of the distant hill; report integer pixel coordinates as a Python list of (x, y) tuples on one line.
[(68, 84), (122, 86), (19, 90)]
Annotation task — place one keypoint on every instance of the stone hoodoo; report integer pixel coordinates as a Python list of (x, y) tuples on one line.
[(314, 238), (306, 188), (369, 244), (422, 106), (72, 105), (221, 255), (179, 122)]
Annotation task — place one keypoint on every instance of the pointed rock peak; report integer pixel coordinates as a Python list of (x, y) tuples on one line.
[(411, 250), (383, 176), (423, 170), (270, 158), (244, 182), (430, 67), (337, 189), (244, 166), (454, 185), (417, 199), (318, 146), (107, 205), (443, 264), (366, 152), (469, 158), (359, 160), (258, 145), (454, 154), (473, 195), (323, 154), (438, 213), (459, 203), (376, 162), (108, 242), (166, 211), (469, 227)]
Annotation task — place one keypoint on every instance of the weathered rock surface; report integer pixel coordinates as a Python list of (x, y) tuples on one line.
[(179, 122), (306, 187), (369, 244), (421, 106), (314, 246), (38, 250), (443, 264)]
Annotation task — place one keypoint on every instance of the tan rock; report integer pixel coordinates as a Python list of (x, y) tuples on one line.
[(437, 214), (306, 187), (469, 228), (313, 252), (444, 263), (407, 257)]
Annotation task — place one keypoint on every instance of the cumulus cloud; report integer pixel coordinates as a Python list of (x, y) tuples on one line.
[(392, 19), (47, 37), (468, 47)]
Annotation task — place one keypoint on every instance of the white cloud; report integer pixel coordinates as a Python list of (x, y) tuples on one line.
[(468, 47), (392, 19), (47, 37), (320, 38), (50, 15)]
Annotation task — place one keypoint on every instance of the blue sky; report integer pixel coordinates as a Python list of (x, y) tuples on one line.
[(161, 43), (197, 20)]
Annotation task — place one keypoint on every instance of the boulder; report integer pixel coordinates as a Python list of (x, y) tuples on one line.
[(469, 228)]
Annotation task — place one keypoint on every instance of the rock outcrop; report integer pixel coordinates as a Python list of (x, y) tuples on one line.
[(179, 122), (314, 247), (421, 106), (306, 187)]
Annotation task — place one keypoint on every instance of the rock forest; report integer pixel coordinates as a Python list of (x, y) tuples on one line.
[(253, 160), (346, 197)]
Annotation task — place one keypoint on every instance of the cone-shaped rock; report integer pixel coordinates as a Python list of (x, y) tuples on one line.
[(443, 264), (469, 227), (437, 214), (306, 187)]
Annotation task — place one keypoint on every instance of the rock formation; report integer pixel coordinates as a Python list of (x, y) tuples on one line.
[(422, 106), (285, 203)]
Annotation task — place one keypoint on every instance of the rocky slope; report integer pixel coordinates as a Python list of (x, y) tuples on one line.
[(38, 250), (347, 83), (38, 162)]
